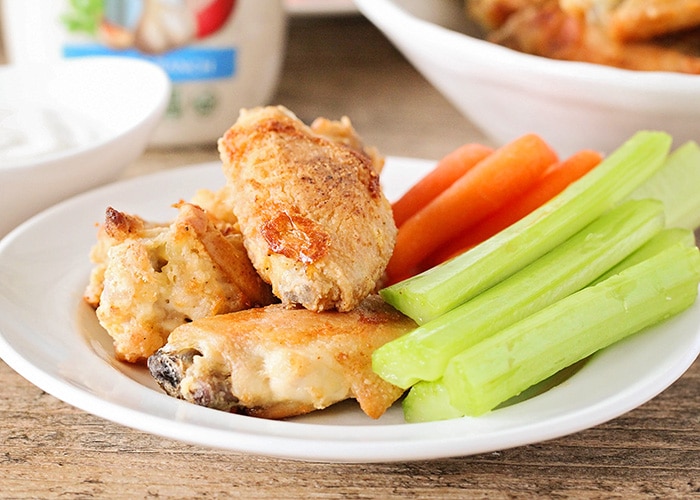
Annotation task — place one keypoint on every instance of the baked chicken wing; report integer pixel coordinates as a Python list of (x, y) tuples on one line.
[(150, 278), (315, 222), (276, 362), (630, 20), (643, 35)]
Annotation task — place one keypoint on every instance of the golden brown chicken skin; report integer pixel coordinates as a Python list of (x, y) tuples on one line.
[(150, 278), (635, 20), (642, 35), (276, 362), (315, 222)]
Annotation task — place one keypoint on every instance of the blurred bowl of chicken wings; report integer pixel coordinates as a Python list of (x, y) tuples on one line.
[(570, 70)]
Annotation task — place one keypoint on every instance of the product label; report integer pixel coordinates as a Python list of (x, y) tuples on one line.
[(182, 65), (166, 32)]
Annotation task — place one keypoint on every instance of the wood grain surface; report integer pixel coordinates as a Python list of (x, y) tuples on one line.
[(342, 66)]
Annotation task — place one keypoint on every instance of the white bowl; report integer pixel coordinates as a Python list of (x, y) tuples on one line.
[(69, 126), (506, 93)]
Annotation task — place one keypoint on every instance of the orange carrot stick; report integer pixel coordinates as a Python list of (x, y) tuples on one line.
[(450, 168), (503, 175), (554, 181)]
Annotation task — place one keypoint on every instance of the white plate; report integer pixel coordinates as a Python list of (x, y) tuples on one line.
[(49, 336)]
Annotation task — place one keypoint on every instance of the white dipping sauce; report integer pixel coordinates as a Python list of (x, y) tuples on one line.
[(36, 133)]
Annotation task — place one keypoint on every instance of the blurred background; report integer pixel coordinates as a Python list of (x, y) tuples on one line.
[(335, 62)]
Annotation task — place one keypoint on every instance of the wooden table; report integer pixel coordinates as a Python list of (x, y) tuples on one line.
[(338, 66)]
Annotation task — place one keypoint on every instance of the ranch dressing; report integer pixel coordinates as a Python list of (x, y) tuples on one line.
[(30, 133)]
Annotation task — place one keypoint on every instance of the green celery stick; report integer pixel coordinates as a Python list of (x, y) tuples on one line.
[(677, 185), (571, 329), (430, 401), (658, 243), (444, 287), (423, 353)]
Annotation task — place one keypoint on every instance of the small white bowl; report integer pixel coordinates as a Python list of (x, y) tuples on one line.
[(69, 126), (506, 93)]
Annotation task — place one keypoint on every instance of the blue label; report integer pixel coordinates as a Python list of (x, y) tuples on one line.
[(182, 65)]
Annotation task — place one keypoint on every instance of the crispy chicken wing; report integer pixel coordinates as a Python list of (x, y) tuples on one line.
[(635, 20), (151, 278), (644, 35), (316, 224), (276, 362)]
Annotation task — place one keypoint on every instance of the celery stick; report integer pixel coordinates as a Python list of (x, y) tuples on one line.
[(423, 353), (428, 401), (531, 350), (659, 242), (431, 401), (677, 185), (444, 287)]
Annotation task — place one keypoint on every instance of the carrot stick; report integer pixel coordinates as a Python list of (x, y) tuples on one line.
[(450, 168), (554, 181), (503, 175)]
